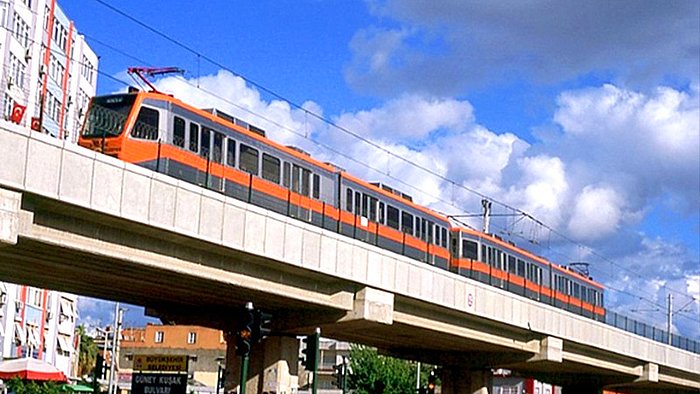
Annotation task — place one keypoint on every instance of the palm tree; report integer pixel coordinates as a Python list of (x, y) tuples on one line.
[(88, 352)]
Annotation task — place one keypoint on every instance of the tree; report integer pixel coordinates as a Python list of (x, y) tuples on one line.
[(87, 352), (19, 386), (373, 373)]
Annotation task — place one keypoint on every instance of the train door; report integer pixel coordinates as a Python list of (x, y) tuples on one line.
[(147, 129)]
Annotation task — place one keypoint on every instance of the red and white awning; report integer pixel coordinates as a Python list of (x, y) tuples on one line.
[(30, 369)]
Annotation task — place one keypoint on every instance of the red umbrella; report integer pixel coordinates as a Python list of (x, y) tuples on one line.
[(30, 369)]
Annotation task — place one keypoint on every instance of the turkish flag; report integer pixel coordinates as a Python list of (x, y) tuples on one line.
[(17, 112), (35, 124)]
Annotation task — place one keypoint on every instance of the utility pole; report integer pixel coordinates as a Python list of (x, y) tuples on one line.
[(418, 377), (115, 348), (670, 317), (486, 204), (244, 343)]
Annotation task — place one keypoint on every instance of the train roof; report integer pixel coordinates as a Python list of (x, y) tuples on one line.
[(527, 254)]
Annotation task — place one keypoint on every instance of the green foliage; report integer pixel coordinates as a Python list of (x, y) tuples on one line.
[(373, 373), (87, 353), (19, 386)]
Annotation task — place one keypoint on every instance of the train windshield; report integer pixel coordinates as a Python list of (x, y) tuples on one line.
[(107, 115)]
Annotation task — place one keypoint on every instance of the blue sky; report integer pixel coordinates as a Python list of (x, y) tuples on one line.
[(584, 115)]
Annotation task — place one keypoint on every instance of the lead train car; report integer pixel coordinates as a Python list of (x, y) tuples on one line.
[(225, 154), (222, 153)]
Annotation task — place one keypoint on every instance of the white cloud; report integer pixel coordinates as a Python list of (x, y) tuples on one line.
[(646, 145), (597, 212), (409, 118)]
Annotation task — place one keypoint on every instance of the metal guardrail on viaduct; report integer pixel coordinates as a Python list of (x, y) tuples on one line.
[(77, 221)]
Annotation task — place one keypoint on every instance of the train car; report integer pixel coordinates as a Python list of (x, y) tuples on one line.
[(489, 259), (222, 153), (389, 219)]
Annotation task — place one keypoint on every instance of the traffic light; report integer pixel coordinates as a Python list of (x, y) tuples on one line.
[(431, 382), (244, 332), (310, 358), (261, 326), (220, 377), (338, 375)]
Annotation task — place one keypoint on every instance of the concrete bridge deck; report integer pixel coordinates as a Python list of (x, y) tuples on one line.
[(82, 222)]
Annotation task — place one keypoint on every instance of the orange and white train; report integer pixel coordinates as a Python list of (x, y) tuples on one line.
[(235, 158)]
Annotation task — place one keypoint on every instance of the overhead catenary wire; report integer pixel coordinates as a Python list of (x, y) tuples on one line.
[(357, 136), (365, 140)]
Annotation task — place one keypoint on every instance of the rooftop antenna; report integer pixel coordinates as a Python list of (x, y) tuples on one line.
[(143, 72)]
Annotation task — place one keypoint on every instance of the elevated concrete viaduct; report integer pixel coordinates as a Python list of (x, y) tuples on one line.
[(81, 222)]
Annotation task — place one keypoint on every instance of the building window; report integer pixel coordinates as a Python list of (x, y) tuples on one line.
[(191, 337), (87, 70), (34, 297), (159, 337), (21, 30)]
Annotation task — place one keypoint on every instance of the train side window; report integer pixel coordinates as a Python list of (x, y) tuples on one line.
[(218, 147), (316, 191), (424, 230), (563, 285), (348, 200), (296, 178), (407, 223), (194, 137), (512, 267), (305, 182), (492, 256), (601, 299), (365, 205), (392, 217), (444, 237), (430, 232), (358, 203), (484, 253), (381, 212), (271, 168), (146, 125), (453, 246), (577, 290), (248, 159), (206, 142), (373, 209), (179, 131), (470, 249), (437, 235), (521, 268), (231, 152), (286, 174)]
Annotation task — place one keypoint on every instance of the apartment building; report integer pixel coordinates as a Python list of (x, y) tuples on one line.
[(205, 347), (49, 72), (38, 323)]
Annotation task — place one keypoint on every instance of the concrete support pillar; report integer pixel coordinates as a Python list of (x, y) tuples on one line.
[(9, 216), (456, 380), (273, 366)]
